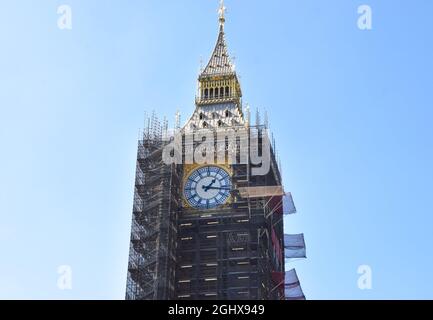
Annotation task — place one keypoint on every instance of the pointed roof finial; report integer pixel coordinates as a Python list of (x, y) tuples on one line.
[(177, 120), (220, 62), (221, 12)]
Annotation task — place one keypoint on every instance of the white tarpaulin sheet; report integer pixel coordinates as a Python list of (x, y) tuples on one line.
[(288, 204), (292, 286), (294, 246)]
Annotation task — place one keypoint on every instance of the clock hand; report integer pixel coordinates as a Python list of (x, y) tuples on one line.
[(219, 188), (210, 185)]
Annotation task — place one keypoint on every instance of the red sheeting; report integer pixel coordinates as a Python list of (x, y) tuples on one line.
[(278, 278), (276, 204), (277, 247)]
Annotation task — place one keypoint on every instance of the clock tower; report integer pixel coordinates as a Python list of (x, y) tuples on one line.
[(208, 223)]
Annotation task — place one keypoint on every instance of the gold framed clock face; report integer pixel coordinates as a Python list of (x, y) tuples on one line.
[(207, 187)]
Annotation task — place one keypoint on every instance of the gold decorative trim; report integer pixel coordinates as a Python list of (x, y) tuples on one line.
[(189, 168)]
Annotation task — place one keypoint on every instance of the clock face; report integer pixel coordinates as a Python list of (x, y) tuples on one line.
[(207, 187)]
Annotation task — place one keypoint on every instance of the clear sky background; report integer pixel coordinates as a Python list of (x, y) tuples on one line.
[(351, 111)]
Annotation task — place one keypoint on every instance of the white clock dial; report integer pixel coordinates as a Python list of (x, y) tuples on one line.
[(207, 187)]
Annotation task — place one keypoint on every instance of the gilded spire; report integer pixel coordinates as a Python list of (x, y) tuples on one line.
[(220, 62), (218, 80), (221, 13)]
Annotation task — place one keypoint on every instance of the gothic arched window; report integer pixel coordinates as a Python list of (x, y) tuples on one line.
[(211, 93), (227, 91), (206, 93)]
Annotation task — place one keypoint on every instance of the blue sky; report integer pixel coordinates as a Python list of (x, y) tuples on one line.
[(351, 111)]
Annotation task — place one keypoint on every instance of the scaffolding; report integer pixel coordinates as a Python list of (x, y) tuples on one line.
[(153, 231), (232, 252)]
